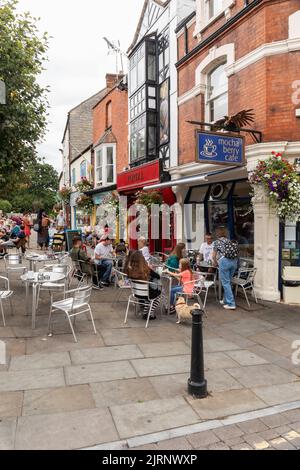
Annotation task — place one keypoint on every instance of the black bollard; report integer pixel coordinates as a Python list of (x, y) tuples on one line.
[(197, 385)]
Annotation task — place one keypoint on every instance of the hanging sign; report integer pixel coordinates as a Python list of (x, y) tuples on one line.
[(220, 149)]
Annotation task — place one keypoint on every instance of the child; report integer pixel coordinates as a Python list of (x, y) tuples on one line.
[(187, 281), (52, 231)]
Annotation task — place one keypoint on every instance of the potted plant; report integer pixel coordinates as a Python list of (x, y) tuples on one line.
[(148, 198), (65, 194)]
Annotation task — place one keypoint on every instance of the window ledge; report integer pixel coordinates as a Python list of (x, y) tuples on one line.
[(202, 25)]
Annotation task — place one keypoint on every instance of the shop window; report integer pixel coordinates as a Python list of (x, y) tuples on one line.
[(217, 93), (105, 165), (290, 250)]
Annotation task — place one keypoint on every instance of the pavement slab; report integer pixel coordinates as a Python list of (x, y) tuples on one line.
[(32, 379), (277, 394), (162, 366), (174, 348), (93, 373), (39, 361), (246, 358), (11, 404), (261, 375), (152, 416), (56, 400), (7, 433), (108, 354), (65, 431), (62, 343)]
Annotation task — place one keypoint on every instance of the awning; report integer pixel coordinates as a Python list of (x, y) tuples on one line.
[(204, 178)]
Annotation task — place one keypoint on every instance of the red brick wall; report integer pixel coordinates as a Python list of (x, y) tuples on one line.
[(265, 85), (119, 100)]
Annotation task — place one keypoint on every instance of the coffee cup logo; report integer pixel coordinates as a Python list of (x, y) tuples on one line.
[(209, 149)]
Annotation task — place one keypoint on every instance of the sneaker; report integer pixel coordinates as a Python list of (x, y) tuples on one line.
[(222, 302), (105, 284), (229, 307)]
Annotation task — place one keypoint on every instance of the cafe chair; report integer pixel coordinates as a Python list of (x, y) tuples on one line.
[(55, 287), (204, 281), (14, 264), (122, 284), (76, 302), (245, 280), (4, 295), (140, 297)]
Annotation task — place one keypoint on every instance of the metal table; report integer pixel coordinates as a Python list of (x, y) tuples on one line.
[(35, 282)]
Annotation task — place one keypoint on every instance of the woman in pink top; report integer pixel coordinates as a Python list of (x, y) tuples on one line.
[(186, 282)]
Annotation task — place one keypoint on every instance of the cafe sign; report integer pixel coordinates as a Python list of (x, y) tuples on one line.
[(139, 177), (220, 148)]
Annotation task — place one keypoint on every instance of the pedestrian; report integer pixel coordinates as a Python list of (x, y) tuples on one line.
[(43, 222), (225, 255), (60, 221), (27, 222), (206, 248)]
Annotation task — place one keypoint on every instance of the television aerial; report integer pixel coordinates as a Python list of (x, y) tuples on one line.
[(114, 48)]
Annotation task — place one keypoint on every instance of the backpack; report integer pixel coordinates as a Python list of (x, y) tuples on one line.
[(231, 249)]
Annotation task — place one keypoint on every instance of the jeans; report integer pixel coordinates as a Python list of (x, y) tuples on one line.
[(174, 291), (106, 265), (227, 268)]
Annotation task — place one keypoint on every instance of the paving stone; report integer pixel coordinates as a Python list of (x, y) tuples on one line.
[(250, 427), (15, 347), (169, 333), (281, 444), (265, 353), (202, 439), (121, 392), (218, 446), (61, 343), (246, 358), (234, 441), (175, 348), (11, 404), (152, 416), (65, 431), (277, 394), (293, 437), (7, 433), (258, 376), (295, 426), (292, 415), (273, 421), (179, 443), (274, 343), (162, 365), (242, 446), (108, 354), (30, 380), (6, 332), (170, 385), (93, 373), (39, 361), (145, 447), (226, 404), (270, 434), (256, 441), (117, 337), (219, 345), (218, 360), (228, 432), (249, 327), (218, 380), (56, 400)]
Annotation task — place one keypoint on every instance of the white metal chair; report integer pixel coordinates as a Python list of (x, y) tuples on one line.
[(245, 280), (14, 264), (4, 295), (203, 282), (76, 303), (140, 297), (55, 287), (197, 289), (122, 284)]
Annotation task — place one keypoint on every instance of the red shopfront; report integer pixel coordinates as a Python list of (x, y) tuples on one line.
[(132, 181)]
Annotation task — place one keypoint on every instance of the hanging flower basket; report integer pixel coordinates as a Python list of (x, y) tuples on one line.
[(84, 185), (148, 198), (85, 203), (65, 194), (281, 184), (113, 200)]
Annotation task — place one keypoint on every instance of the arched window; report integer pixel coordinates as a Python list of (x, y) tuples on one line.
[(217, 93), (214, 7)]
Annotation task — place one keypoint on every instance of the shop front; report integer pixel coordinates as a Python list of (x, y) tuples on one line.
[(79, 216), (129, 184)]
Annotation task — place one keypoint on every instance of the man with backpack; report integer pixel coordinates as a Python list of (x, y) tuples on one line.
[(225, 255)]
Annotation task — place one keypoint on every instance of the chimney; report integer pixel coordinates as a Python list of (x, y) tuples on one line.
[(112, 79)]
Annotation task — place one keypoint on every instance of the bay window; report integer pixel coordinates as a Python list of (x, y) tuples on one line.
[(105, 165)]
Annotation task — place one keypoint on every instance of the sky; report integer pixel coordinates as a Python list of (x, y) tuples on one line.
[(78, 59)]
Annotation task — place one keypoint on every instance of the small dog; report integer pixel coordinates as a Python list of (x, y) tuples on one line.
[(184, 311)]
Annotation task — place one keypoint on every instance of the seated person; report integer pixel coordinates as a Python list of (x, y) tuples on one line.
[(15, 229), (175, 257), (142, 244), (121, 248), (3, 238), (18, 241), (86, 265), (186, 278), (104, 254), (138, 269)]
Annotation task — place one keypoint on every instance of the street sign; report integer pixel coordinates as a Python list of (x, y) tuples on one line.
[(220, 148), (2, 92)]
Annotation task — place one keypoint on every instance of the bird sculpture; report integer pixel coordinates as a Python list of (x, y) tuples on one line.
[(236, 122)]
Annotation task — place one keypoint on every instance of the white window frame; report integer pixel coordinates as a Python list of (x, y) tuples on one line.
[(103, 183), (203, 19), (221, 92), (74, 180)]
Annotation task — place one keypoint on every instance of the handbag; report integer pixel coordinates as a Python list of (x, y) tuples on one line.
[(36, 227)]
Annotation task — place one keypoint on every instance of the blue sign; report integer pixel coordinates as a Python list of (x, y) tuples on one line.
[(222, 149)]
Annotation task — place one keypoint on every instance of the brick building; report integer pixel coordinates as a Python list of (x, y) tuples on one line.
[(235, 55)]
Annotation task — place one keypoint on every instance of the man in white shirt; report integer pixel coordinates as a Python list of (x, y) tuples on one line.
[(103, 257), (60, 221), (206, 248), (142, 244)]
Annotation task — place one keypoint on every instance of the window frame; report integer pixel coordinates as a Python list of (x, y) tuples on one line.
[(74, 180), (103, 183), (222, 91)]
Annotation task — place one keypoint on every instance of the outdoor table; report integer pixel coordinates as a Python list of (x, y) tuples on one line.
[(34, 259), (35, 282)]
